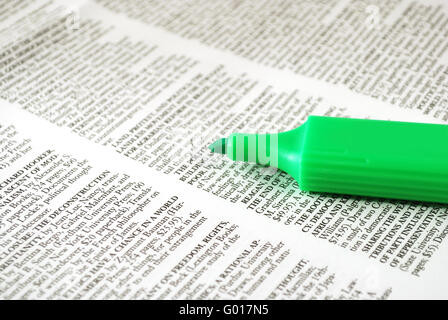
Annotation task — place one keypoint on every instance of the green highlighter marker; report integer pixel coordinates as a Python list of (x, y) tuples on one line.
[(389, 159)]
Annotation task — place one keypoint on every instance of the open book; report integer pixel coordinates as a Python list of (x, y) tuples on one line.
[(108, 190)]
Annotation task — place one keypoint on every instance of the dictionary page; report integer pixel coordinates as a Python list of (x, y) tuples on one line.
[(108, 189)]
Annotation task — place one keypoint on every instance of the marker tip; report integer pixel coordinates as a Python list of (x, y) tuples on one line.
[(219, 146)]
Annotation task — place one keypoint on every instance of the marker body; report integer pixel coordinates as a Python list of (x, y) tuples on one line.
[(389, 159)]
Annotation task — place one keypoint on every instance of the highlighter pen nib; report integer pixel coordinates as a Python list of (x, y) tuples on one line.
[(219, 146)]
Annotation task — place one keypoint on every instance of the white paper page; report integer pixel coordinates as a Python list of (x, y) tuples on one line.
[(138, 100)]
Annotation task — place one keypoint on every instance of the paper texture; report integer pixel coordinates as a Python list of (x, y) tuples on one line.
[(108, 190)]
